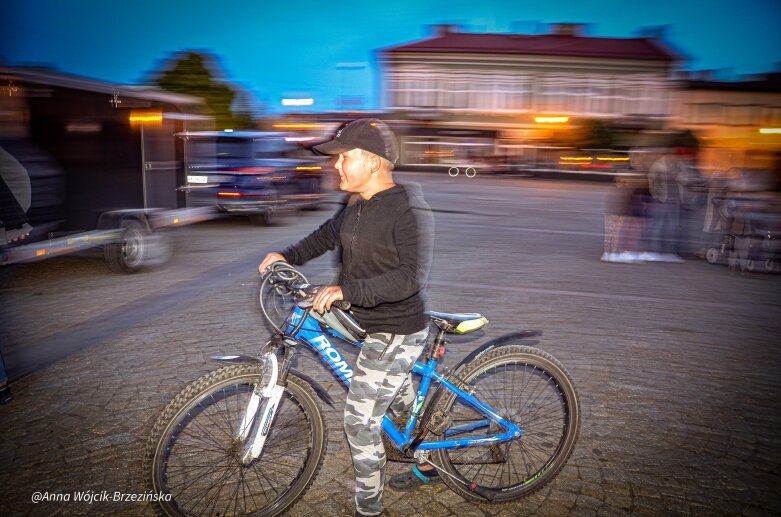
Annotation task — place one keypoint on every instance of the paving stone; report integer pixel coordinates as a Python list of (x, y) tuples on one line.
[(676, 365)]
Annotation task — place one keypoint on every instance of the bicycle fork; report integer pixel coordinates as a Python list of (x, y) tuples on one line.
[(264, 401)]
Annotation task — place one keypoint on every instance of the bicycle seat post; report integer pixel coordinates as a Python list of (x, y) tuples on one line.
[(438, 349)]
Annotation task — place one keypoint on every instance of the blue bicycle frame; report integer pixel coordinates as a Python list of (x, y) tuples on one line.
[(311, 333)]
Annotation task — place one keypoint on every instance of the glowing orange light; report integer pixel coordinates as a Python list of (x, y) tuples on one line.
[(304, 168), (176, 220), (576, 158), (551, 120), (612, 159), (229, 194), (40, 253), (770, 130), (146, 117)]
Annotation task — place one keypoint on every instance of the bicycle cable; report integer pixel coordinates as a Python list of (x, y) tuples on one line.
[(277, 284)]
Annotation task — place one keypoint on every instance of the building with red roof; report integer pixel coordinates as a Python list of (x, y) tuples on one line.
[(499, 85), (563, 72)]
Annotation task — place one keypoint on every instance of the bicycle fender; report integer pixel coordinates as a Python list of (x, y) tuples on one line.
[(241, 358), (321, 392), (500, 341)]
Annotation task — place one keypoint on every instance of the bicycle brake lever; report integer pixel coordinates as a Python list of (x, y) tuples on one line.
[(306, 303), (343, 304)]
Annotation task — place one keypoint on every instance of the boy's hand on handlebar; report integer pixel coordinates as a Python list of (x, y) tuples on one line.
[(326, 297), (270, 259)]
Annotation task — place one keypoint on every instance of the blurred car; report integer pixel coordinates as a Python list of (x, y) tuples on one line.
[(252, 173)]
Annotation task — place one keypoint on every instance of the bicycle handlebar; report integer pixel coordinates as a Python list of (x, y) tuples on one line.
[(288, 276)]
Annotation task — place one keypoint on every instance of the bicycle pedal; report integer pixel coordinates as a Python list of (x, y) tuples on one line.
[(439, 422)]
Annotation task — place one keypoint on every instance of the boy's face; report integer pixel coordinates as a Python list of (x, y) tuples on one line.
[(354, 171)]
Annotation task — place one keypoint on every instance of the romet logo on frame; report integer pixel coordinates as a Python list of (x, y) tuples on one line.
[(333, 357)]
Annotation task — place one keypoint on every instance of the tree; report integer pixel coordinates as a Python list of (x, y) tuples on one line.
[(194, 73)]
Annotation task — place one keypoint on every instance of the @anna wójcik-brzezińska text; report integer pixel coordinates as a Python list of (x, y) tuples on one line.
[(101, 496)]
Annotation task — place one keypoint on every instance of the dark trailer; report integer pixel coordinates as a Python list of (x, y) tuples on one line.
[(103, 163)]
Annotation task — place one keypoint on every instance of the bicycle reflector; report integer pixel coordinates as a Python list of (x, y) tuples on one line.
[(467, 326)]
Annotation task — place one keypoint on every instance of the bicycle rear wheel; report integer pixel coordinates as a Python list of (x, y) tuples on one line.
[(530, 388), (193, 454)]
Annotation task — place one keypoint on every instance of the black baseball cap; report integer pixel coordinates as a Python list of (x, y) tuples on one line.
[(369, 134)]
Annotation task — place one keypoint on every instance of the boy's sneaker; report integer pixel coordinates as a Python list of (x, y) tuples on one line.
[(414, 479)]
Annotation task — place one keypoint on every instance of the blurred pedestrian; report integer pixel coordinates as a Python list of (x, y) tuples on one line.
[(692, 190), (624, 220), (612, 226), (664, 231)]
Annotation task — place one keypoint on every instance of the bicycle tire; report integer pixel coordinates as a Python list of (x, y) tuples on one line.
[(193, 449), (543, 396)]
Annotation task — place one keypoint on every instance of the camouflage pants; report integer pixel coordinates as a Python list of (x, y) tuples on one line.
[(381, 380)]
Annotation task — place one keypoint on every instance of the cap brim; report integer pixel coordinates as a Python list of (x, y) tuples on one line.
[(332, 147)]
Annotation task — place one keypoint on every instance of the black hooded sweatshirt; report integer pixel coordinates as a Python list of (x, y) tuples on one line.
[(387, 245)]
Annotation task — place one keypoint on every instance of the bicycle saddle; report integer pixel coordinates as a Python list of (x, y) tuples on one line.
[(455, 323)]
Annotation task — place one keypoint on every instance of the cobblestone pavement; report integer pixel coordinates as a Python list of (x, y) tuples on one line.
[(677, 365)]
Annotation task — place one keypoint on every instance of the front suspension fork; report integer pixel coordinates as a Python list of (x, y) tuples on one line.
[(263, 404)]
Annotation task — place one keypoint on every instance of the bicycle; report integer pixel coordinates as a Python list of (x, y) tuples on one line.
[(249, 438)]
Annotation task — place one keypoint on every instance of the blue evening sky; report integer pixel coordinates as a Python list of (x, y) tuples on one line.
[(295, 48)]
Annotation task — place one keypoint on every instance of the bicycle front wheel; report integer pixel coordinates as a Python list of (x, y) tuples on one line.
[(194, 455), (525, 386)]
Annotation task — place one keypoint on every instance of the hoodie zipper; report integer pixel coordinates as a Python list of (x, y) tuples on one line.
[(352, 239), (392, 337)]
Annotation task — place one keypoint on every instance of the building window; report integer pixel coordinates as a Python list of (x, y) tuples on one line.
[(503, 92), (546, 91), (771, 116), (460, 89), (601, 97), (708, 113), (521, 100)]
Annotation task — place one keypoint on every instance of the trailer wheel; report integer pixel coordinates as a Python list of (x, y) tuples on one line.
[(138, 248), (712, 255)]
